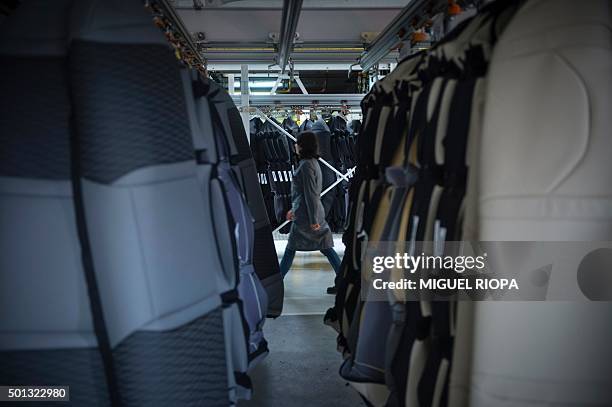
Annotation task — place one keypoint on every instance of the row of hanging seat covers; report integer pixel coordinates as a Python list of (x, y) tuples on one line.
[(262, 169), (276, 159), (275, 168), (409, 186), (342, 146), (123, 242)]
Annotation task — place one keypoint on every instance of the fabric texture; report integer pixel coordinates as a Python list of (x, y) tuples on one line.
[(81, 369), (198, 347), (36, 147), (308, 209), (146, 90)]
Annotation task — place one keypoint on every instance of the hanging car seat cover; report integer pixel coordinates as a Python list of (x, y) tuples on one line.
[(429, 95), (306, 125), (343, 161), (250, 288), (209, 135), (547, 96), (142, 203), (46, 333), (321, 130), (212, 146), (276, 171), (265, 262)]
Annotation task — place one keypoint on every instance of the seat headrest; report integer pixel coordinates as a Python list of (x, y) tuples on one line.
[(36, 28), (114, 21)]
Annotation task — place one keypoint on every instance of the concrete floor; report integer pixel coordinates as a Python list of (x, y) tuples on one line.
[(305, 285), (302, 367)]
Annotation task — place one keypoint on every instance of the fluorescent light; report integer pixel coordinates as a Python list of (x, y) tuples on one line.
[(259, 84)]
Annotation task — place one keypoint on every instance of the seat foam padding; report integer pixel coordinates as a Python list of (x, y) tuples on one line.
[(545, 176)]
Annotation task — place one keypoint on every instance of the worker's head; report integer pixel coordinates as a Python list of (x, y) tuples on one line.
[(307, 145)]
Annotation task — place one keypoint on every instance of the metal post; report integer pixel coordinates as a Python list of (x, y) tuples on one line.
[(230, 83), (244, 99), (301, 85), (276, 84)]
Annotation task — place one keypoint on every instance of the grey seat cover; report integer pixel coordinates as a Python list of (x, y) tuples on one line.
[(210, 143), (46, 333), (150, 221), (265, 261)]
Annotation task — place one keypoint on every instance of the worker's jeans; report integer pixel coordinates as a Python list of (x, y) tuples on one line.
[(330, 253)]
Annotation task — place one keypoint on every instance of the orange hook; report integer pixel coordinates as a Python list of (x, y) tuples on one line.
[(453, 8)]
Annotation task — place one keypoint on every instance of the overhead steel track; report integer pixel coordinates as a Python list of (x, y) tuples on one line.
[(265, 52), (413, 15), (289, 22), (295, 99), (251, 35), (178, 35)]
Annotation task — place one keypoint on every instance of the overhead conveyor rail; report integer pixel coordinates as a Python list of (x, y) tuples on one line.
[(291, 16), (166, 18), (253, 32), (415, 14), (296, 99)]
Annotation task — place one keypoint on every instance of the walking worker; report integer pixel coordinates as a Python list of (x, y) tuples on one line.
[(309, 230)]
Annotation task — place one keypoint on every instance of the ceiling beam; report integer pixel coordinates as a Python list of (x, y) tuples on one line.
[(239, 26), (289, 22)]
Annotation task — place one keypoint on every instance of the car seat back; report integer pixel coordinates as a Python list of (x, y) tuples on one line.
[(146, 223), (544, 176), (265, 261), (46, 330)]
